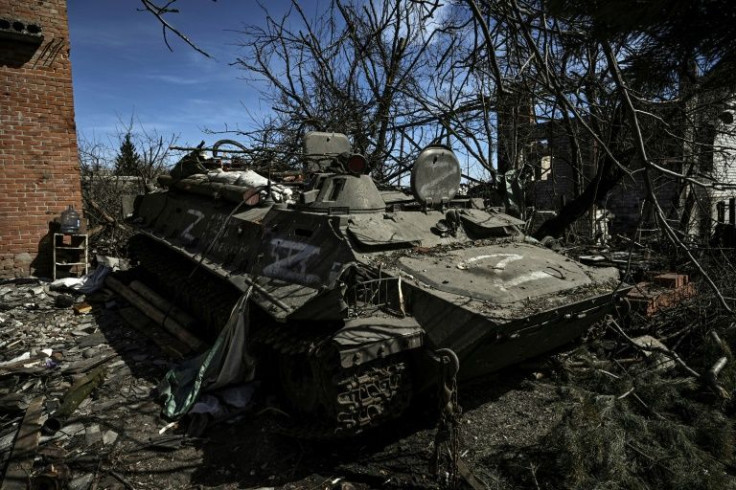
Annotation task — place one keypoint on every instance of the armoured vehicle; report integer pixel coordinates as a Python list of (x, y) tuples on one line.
[(353, 289)]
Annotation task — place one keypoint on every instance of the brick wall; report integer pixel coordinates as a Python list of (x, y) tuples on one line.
[(39, 170)]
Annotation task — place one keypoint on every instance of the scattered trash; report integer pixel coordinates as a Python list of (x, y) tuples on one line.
[(168, 426), (85, 284), (82, 308)]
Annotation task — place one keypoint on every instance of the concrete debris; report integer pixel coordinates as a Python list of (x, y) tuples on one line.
[(92, 434), (656, 351), (82, 482), (72, 430), (109, 437), (73, 387)]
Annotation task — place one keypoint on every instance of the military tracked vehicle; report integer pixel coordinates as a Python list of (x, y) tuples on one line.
[(354, 289)]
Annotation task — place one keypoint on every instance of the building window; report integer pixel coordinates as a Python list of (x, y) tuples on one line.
[(545, 166)]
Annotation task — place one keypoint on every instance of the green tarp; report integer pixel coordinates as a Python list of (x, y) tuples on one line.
[(225, 363)]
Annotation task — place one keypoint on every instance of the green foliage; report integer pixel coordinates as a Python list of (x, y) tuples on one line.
[(127, 161), (605, 442)]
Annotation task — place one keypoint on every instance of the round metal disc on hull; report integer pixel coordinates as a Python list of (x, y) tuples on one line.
[(435, 176)]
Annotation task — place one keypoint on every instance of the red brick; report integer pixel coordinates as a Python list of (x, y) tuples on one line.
[(671, 280), (39, 172)]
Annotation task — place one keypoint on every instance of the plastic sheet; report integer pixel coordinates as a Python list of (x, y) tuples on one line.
[(226, 363)]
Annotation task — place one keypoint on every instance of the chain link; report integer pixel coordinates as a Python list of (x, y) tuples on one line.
[(447, 438)]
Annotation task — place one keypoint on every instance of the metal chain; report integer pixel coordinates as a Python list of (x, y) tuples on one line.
[(447, 437)]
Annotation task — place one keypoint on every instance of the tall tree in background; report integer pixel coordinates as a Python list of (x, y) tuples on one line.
[(127, 161)]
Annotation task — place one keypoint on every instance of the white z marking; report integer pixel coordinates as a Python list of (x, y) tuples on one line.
[(501, 263), (291, 261), (185, 235)]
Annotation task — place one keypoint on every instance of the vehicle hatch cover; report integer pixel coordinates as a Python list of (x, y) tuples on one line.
[(375, 231)]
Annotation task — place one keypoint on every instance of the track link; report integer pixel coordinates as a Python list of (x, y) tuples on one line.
[(339, 402)]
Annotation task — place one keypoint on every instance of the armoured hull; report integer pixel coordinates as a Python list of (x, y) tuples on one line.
[(354, 289)]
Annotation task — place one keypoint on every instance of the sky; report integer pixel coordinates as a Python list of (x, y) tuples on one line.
[(123, 71)]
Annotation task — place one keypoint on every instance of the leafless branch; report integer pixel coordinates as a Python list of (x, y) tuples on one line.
[(159, 11)]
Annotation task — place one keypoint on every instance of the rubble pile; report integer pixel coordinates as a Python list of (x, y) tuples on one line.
[(79, 407), (68, 381), (646, 401)]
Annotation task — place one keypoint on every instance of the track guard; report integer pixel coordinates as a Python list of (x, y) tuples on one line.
[(366, 339)]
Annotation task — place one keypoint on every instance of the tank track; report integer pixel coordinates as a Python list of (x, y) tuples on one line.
[(334, 402), (345, 402)]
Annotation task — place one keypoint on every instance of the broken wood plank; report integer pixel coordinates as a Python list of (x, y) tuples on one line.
[(169, 324), (12, 402), (467, 475), (17, 476), (29, 371), (82, 308), (169, 344), (22, 361), (182, 317), (84, 366)]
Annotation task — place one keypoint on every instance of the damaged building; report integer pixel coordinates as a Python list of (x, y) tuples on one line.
[(39, 169), (560, 158)]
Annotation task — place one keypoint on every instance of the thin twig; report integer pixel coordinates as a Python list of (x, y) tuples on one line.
[(652, 348), (122, 480), (639, 140), (158, 12)]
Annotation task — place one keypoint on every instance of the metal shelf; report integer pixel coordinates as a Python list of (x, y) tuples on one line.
[(73, 247)]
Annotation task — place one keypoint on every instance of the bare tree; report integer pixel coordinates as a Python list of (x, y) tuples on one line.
[(366, 69), (107, 195), (504, 82)]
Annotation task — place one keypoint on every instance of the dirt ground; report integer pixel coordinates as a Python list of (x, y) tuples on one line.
[(114, 439)]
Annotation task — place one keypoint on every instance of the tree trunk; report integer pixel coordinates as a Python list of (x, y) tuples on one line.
[(608, 176)]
